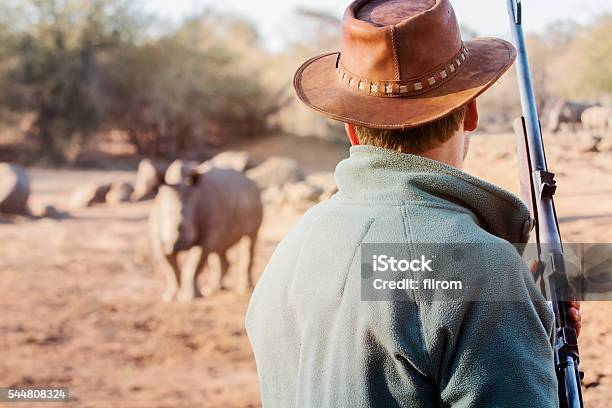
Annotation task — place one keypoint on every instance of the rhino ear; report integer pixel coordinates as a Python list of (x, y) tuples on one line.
[(204, 167), (161, 178), (193, 179)]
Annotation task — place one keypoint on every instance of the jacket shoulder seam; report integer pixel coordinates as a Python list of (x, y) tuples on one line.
[(409, 240), (359, 243)]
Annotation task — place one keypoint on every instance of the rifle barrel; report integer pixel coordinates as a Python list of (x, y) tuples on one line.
[(549, 232), (528, 101), (548, 237)]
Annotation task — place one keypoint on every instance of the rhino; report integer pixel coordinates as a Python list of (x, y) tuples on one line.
[(566, 112), (200, 210)]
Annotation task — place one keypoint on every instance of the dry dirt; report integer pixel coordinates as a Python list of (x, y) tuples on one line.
[(81, 301)]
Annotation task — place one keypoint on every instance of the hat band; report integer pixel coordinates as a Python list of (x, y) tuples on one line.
[(411, 87)]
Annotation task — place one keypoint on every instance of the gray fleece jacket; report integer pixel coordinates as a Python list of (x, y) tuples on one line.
[(318, 344)]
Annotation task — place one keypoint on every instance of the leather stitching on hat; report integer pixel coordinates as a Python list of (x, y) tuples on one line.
[(410, 87)]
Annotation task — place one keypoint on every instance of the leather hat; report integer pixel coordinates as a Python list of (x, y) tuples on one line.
[(402, 64)]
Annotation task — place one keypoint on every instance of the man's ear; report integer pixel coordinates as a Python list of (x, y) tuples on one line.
[(352, 135), (470, 123)]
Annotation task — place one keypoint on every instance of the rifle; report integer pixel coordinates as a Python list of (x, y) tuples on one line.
[(538, 187)]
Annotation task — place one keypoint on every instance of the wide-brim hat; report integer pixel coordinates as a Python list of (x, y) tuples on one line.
[(402, 64)]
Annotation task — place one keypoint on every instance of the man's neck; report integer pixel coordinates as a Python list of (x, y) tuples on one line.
[(451, 152)]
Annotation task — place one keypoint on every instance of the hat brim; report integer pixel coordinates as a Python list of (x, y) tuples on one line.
[(317, 85)]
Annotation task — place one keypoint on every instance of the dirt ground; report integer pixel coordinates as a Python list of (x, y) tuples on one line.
[(80, 301)]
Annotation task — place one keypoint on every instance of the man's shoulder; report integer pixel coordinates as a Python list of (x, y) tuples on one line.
[(447, 223), (396, 222)]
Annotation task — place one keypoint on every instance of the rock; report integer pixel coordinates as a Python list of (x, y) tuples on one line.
[(325, 181), (119, 193), (597, 118), (181, 171), (239, 161), (276, 171), (589, 144), (47, 211), (605, 145), (326, 195), (566, 112), (501, 155), (14, 189), (273, 195), (302, 192), (89, 194), (148, 177)]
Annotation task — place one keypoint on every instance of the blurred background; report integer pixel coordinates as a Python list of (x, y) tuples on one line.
[(98, 96), (167, 78)]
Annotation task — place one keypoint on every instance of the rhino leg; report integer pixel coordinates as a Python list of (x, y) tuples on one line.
[(247, 253), (220, 264), (223, 268), (172, 273), (195, 264)]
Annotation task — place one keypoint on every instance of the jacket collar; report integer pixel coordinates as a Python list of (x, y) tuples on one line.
[(376, 175)]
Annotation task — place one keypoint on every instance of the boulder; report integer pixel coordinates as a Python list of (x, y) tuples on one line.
[(273, 195), (88, 195), (302, 192), (325, 181), (182, 171), (588, 143), (14, 189), (597, 119), (119, 193), (276, 171), (566, 112), (239, 161), (606, 144), (148, 177), (47, 211)]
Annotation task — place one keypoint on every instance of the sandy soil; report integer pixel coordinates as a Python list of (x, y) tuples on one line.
[(81, 302)]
